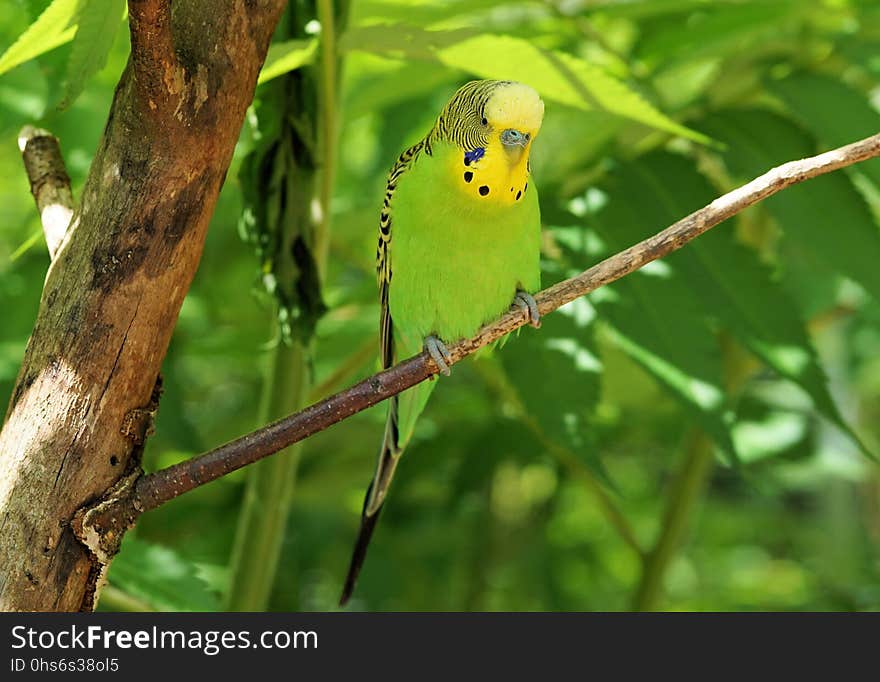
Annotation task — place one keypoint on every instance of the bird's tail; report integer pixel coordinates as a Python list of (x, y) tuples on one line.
[(387, 464)]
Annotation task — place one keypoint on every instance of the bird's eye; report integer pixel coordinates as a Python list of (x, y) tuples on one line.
[(484, 121)]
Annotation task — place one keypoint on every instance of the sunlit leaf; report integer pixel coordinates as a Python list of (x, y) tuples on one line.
[(655, 316), (402, 41), (658, 325), (734, 286), (395, 83), (51, 29), (564, 349), (824, 221), (287, 56), (420, 12), (98, 21), (556, 75), (757, 440)]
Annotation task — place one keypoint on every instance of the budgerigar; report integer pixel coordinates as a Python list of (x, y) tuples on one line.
[(459, 243)]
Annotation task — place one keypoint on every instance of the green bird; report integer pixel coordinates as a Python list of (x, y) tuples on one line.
[(459, 243)]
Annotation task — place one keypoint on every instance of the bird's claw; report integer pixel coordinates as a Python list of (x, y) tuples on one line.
[(439, 354), (527, 303)]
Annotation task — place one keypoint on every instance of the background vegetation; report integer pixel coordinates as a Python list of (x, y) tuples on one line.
[(696, 436)]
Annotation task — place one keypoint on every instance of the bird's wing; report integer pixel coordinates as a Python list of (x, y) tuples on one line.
[(383, 251), (390, 452)]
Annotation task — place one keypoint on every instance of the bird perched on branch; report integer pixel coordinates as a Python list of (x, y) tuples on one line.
[(459, 243)]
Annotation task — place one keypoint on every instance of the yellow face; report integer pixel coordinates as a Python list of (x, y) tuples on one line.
[(512, 120)]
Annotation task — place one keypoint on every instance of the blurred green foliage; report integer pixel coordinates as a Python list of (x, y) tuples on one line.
[(541, 476)]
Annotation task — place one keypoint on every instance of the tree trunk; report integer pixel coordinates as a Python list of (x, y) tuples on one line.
[(84, 398)]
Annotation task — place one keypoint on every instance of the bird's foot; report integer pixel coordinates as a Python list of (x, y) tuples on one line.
[(439, 354), (526, 302)]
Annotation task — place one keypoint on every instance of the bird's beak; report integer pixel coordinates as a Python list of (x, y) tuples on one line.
[(515, 143), (515, 138)]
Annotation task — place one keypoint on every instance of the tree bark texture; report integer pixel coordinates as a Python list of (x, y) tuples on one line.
[(88, 386)]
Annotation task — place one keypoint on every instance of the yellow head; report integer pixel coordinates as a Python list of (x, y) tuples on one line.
[(514, 113), (493, 123)]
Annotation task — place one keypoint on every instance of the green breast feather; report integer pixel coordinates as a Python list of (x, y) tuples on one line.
[(456, 261)]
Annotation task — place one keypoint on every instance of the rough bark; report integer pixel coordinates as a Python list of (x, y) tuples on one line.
[(49, 182), (84, 398)]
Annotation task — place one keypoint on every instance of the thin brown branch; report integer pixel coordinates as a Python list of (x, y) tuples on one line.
[(49, 182), (154, 489)]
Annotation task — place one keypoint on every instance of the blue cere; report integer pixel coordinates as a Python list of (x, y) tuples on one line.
[(473, 155)]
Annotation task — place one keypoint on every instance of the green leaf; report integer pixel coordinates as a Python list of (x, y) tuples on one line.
[(402, 41), (647, 9), (654, 315), (661, 327), (733, 285), (392, 86), (770, 436), (563, 349), (98, 22), (160, 577), (566, 148), (721, 30), (834, 112), (826, 223), (287, 56), (556, 75), (52, 28), (36, 7), (421, 13)]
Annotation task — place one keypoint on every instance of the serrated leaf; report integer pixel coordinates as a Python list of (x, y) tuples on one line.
[(655, 317), (826, 222), (564, 349), (420, 12), (734, 286), (97, 24), (393, 84), (54, 27), (402, 41), (834, 112), (287, 56), (575, 140), (556, 75), (161, 577), (661, 327)]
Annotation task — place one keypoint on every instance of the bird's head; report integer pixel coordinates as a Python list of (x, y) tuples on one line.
[(493, 124), (481, 113), (513, 114)]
